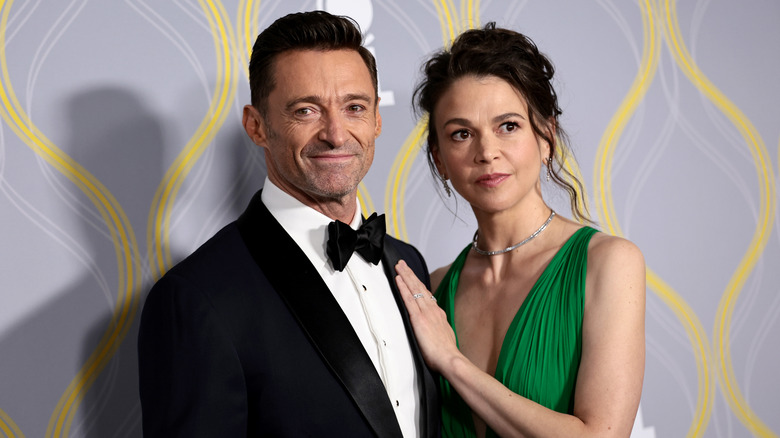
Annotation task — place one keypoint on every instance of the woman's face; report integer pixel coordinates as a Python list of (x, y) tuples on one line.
[(487, 146)]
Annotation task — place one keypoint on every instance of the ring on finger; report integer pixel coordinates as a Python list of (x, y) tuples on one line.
[(433, 298), (415, 296)]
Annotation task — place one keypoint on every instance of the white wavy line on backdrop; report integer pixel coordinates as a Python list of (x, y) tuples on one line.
[(719, 120), (659, 351), (427, 5), (84, 210), (10, 34), (54, 34), (190, 193), (655, 152), (514, 10), (51, 229), (395, 11), (630, 136), (171, 34), (69, 199), (751, 291), (269, 14), (222, 213), (195, 12), (762, 333), (86, 420)]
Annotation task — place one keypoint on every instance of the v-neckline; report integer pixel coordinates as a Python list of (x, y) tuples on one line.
[(523, 305)]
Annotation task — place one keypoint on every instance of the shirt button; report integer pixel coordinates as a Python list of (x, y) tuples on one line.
[(397, 403), (384, 342)]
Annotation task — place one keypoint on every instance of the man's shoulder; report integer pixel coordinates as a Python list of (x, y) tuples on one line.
[(217, 251)]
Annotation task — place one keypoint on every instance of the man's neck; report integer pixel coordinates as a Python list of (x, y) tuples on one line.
[(342, 209)]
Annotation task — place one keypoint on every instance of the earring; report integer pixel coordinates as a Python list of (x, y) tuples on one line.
[(446, 186), (549, 167)]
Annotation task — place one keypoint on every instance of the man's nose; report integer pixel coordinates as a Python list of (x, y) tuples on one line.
[(333, 130)]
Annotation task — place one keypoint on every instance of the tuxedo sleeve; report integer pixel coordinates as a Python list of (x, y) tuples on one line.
[(191, 381)]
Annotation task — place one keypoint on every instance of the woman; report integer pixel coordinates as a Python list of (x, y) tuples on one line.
[(541, 326)]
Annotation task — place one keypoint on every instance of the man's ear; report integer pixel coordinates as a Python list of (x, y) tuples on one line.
[(254, 125), (378, 129)]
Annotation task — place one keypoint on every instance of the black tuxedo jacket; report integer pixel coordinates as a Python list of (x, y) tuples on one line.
[(243, 338)]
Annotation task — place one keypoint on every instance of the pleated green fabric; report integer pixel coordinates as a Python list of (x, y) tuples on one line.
[(541, 351)]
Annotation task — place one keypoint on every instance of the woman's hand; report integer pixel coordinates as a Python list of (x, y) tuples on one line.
[(433, 332)]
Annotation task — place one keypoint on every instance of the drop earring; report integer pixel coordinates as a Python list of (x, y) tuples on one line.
[(446, 186), (549, 168)]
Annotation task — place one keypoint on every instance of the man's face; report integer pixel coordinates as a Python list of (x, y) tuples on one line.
[(320, 125)]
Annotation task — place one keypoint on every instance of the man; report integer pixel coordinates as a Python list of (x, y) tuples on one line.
[(271, 328)]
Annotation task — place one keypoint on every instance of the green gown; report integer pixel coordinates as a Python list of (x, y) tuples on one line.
[(542, 347)]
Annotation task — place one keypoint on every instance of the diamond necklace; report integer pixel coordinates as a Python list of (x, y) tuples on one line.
[(513, 247)]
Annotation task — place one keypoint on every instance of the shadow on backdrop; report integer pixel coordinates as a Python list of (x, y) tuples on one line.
[(120, 140)]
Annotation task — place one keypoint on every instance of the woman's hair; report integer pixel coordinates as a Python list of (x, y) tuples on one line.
[(513, 57)]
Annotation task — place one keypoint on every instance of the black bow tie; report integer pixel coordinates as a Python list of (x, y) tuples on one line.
[(367, 241)]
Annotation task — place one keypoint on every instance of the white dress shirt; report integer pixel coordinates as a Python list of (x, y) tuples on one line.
[(363, 292)]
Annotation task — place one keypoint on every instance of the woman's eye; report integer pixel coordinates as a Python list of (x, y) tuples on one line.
[(460, 135), (508, 126)]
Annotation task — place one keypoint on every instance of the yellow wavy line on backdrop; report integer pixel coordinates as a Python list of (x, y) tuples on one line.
[(158, 230), (248, 12), (121, 232), (395, 189), (445, 9), (603, 178), (8, 427), (471, 13), (766, 217)]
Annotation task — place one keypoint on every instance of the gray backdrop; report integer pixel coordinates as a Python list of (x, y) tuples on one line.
[(121, 151)]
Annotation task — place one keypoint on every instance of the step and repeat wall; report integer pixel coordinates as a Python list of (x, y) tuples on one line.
[(121, 151)]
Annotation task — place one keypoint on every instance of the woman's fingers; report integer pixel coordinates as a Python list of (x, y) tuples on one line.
[(409, 284)]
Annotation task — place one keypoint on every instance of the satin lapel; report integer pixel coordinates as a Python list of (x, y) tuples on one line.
[(319, 314), (429, 399)]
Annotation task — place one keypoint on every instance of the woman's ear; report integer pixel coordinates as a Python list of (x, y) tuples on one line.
[(437, 161), (547, 148)]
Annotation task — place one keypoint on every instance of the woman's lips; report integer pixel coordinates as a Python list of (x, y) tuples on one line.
[(492, 179)]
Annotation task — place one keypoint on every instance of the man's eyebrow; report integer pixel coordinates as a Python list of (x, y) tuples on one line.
[(358, 96), (308, 99), (318, 100)]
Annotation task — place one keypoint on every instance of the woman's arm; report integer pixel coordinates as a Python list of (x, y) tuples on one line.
[(610, 376)]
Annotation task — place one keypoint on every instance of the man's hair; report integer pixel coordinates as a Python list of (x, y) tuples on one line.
[(314, 30)]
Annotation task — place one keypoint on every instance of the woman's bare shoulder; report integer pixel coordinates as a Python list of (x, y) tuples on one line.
[(613, 262), (607, 249)]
